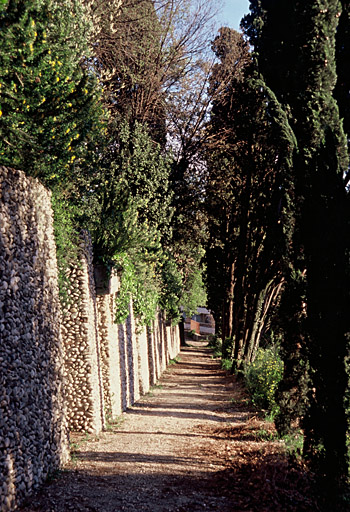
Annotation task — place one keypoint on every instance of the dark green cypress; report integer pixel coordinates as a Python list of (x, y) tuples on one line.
[(342, 88), (296, 54), (248, 183)]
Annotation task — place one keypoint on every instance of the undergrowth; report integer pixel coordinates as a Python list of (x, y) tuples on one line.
[(67, 243), (215, 343), (173, 361), (262, 378), (226, 364), (74, 446), (114, 422)]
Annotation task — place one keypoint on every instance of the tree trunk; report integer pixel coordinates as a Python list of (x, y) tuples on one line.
[(266, 299), (182, 332)]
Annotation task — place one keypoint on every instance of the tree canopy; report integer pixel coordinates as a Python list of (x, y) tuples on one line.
[(50, 109)]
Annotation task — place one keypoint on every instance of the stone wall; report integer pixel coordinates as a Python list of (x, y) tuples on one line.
[(163, 344), (61, 368), (110, 353), (81, 348), (133, 357), (108, 366), (33, 435)]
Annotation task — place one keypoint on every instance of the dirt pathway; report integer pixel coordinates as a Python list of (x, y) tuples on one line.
[(173, 451)]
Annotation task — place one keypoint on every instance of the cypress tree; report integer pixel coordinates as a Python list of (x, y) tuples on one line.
[(248, 183), (296, 54), (342, 88)]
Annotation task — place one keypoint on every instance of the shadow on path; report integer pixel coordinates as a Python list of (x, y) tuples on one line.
[(185, 448), (153, 461)]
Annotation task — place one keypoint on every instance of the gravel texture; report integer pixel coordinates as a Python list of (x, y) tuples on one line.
[(193, 444), (154, 459)]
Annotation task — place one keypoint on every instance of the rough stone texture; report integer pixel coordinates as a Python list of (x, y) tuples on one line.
[(82, 358), (59, 372), (33, 434), (122, 344), (143, 360), (109, 347), (107, 365), (133, 357), (163, 344)]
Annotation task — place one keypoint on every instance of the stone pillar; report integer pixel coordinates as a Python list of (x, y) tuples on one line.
[(33, 433), (132, 355), (151, 354), (161, 342), (108, 332), (143, 361), (83, 372), (173, 340)]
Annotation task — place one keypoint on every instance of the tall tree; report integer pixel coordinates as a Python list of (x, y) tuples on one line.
[(342, 88), (296, 54), (143, 58), (249, 195), (127, 58), (134, 192), (157, 44)]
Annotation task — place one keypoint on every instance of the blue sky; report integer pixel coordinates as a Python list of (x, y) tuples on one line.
[(232, 12)]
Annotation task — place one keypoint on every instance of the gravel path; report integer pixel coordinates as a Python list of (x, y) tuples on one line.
[(191, 445), (156, 459)]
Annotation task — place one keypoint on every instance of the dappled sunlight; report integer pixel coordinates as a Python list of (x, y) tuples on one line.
[(192, 444)]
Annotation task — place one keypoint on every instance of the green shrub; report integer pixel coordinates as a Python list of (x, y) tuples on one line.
[(262, 378), (67, 241), (227, 347), (226, 364), (222, 349), (215, 343), (50, 108)]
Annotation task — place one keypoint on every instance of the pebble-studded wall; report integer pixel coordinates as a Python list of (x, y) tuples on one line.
[(33, 437), (107, 365), (81, 347), (110, 354), (129, 352), (62, 368)]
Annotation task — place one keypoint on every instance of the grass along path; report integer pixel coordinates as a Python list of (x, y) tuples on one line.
[(193, 444)]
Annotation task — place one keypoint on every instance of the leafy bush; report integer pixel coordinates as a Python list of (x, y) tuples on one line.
[(130, 224), (216, 344), (171, 288), (227, 347), (50, 107), (139, 283), (226, 364), (262, 378), (67, 240), (222, 349)]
